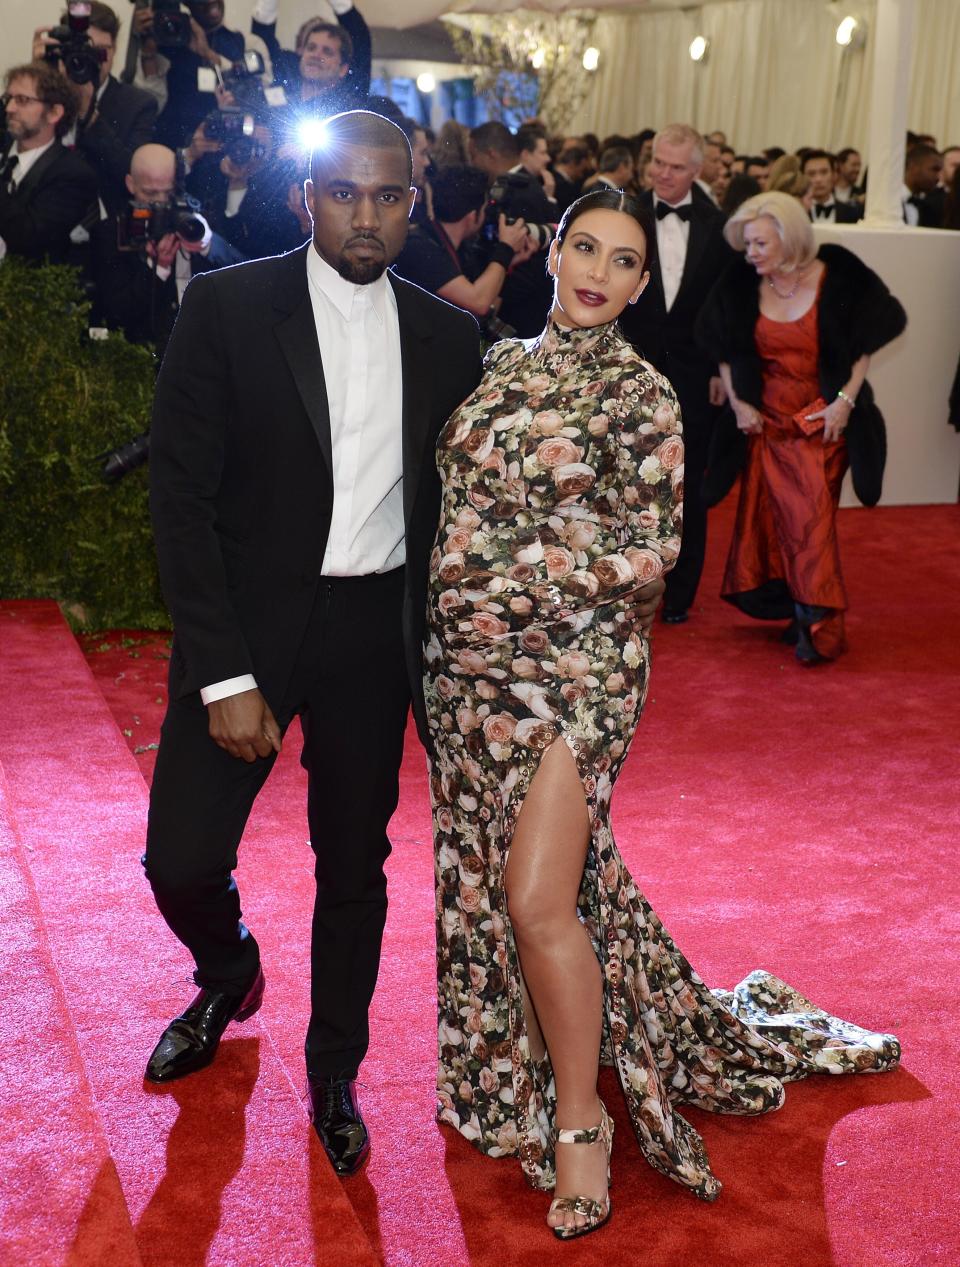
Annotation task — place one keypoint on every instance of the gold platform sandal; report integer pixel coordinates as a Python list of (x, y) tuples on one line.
[(597, 1213)]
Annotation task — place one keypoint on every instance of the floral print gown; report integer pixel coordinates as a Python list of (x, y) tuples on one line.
[(562, 492)]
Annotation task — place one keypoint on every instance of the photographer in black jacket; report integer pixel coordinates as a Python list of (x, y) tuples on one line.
[(113, 119), (329, 69), (518, 195)]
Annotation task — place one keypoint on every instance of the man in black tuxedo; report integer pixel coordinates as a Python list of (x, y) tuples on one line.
[(45, 189), (819, 167), (691, 253), (295, 496), (113, 119)]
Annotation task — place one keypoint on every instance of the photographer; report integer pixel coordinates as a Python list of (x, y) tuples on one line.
[(144, 258), (330, 65), (518, 195), (113, 119), (177, 44), (430, 259), (45, 189)]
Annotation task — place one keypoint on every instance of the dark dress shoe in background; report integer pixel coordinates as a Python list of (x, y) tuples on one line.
[(335, 1114), (675, 616), (190, 1042)]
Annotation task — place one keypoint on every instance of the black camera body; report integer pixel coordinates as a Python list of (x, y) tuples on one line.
[(72, 47), (171, 24), (234, 125), (149, 222)]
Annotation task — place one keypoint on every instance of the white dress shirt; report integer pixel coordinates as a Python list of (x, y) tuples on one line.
[(911, 212), (358, 330), (673, 234)]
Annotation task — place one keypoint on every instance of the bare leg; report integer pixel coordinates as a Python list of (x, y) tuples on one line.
[(544, 869)]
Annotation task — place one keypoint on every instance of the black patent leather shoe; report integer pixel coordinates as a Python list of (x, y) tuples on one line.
[(675, 615), (335, 1114), (190, 1041)]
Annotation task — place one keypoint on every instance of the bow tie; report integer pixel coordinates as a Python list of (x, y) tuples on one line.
[(915, 200), (823, 208), (664, 209)]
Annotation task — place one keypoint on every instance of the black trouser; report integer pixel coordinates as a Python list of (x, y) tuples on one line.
[(683, 579), (350, 688)]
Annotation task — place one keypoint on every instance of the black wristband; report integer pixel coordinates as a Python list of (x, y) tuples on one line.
[(502, 255)]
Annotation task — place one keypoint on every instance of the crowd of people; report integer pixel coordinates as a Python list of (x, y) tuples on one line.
[(677, 326)]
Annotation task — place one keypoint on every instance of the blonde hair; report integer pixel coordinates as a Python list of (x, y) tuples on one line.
[(682, 134), (790, 221), (786, 176)]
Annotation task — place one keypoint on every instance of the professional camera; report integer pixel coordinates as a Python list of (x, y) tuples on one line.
[(149, 222), (72, 47), (493, 329), (515, 195), (234, 125), (171, 22)]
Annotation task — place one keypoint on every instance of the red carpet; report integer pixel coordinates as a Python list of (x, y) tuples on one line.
[(804, 822)]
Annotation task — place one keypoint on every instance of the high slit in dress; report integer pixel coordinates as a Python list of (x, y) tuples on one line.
[(562, 492)]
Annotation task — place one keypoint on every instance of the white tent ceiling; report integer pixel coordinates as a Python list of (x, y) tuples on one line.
[(403, 13)]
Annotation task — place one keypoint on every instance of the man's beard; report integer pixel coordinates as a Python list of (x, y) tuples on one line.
[(361, 272)]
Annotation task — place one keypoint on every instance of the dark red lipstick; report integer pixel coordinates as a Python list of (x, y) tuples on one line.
[(592, 298)]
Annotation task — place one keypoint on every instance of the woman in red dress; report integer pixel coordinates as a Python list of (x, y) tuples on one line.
[(793, 330)]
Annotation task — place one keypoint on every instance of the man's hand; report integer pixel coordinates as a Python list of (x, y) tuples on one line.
[(644, 603), (85, 94), (549, 182), (41, 42), (200, 144), (512, 235), (164, 252), (244, 726), (717, 391)]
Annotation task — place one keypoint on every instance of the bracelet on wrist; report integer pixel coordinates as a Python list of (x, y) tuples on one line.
[(850, 400)]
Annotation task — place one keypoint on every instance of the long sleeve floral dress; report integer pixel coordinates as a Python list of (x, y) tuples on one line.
[(562, 492)]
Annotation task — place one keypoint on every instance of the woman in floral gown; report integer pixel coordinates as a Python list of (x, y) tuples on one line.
[(562, 494)]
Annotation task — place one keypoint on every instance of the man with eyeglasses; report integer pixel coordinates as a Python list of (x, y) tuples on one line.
[(45, 189)]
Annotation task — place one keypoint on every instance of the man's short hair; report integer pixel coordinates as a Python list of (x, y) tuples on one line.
[(335, 31), (528, 135), (363, 129), (52, 88), (102, 18), (457, 190), (845, 153), (615, 157), (757, 160), (917, 153), (819, 155), (682, 134), (573, 154), (496, 137)]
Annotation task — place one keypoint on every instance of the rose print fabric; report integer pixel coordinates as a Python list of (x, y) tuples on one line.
[(562, 492)]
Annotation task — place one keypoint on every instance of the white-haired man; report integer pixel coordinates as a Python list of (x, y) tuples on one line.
[(691, 253)]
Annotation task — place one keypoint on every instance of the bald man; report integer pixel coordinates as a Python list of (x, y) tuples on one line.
[(295, 497), (139, 290)]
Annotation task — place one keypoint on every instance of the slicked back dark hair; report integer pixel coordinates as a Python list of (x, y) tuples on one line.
[(612, 200), (495, 136), (364, 130)]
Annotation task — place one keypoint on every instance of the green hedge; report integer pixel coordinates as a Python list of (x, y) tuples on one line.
[(64, 399)]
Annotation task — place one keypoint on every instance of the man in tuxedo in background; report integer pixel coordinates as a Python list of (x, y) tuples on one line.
[(691, 253), (295, 496), (819, 167), (45, 189)]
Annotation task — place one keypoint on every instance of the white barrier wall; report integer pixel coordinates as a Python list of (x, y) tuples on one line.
[(913, 375)]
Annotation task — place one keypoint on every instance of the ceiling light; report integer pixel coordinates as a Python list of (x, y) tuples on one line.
[(591, 59), (537, 58), (698, 48), (426, 82)]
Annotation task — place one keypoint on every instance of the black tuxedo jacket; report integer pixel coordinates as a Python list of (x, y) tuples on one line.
[(665, 338), (56, 193), (845, 213), (125, 120), (241, 484)]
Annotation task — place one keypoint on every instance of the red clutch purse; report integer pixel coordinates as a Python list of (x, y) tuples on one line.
[(807, 425)]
